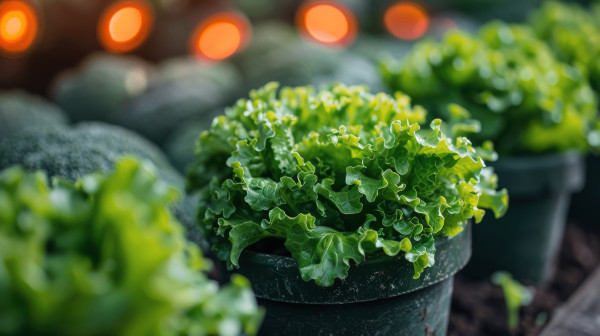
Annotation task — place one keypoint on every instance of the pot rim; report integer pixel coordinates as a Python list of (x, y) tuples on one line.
[(277, 278)]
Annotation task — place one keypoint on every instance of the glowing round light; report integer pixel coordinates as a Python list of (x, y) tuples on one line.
[(125, 25), (220, 40), (220, 36), (18, 27), (14, 25), (406, 20), (327, 22)]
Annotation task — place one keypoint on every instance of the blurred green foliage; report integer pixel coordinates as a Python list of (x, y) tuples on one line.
[(526, 101), (573, 33), (105, 256)]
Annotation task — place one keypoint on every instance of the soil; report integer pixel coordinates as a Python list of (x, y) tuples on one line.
[(478, 307)]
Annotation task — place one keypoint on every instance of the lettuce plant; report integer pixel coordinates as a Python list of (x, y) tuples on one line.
[(105, 256), (526, 101), (336, 176), (573, 34)]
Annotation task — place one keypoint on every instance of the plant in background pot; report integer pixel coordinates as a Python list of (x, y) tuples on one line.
[(539, 113), (573, 34), (344, 214)]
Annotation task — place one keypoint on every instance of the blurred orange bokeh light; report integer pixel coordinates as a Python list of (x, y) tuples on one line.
[(327, 22), (14, 25), (220, 36), (125, 25), (18, 27), (406, 20)]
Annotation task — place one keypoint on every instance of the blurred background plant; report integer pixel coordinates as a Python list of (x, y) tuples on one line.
[(515, 296), (509, 81), (70, 261)]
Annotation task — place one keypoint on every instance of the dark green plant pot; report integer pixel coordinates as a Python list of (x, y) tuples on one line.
[(379, 296), (526, 241), (586, 203)]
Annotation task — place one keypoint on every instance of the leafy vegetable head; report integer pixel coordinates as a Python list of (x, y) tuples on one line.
[(337, 175), (527, 101), (573, 34), (105, 256)]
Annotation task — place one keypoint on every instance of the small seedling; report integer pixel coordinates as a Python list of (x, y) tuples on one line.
[(515, 294)]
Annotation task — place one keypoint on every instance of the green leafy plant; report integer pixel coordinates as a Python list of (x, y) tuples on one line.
[(515, 295), (105, 256), (526, 101), (336, 175), (573, 34)]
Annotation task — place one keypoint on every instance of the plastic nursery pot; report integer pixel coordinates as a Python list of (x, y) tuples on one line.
[(526, 241), (585, 206), (379, 296)]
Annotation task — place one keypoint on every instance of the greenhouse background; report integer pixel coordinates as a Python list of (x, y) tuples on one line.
[(299, 167)]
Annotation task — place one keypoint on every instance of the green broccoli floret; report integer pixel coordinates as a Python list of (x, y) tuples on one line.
[(86, 148), (21, 111)]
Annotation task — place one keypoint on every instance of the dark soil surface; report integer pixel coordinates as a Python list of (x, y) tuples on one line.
[(478, 306)]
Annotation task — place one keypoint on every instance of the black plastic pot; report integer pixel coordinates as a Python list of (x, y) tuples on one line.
[(379, 296), (585, 206), (526, 241)]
